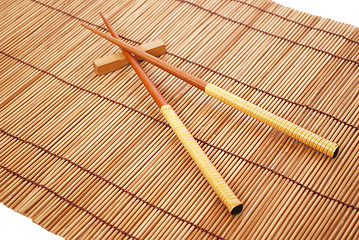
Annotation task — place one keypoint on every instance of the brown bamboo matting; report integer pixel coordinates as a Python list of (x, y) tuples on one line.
[(91, 157)]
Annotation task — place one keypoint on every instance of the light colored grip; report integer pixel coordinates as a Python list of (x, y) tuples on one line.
[(311, 139), (214, 178)]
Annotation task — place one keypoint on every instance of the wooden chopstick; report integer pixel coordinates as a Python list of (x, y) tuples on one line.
[(313, 140), (219, 185)]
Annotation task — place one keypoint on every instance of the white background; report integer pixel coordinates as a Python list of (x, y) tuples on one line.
[(15, 226)]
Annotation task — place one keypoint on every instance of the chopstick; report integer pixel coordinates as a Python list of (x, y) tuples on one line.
[(313, 140), (219, 185)]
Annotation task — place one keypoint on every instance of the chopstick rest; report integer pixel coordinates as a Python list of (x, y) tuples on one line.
[(116, 61)]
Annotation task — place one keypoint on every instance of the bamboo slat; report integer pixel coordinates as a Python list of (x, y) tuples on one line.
[(91, 157)]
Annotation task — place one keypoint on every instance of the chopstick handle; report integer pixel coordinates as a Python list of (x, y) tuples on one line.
[(311, 139), (207, 168)]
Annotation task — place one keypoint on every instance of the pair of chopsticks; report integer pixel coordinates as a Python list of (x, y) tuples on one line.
[(311, 139), (219, 185), (209, 171)]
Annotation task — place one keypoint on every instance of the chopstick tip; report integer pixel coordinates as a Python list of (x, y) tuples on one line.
[(105, 21), (86, 26)]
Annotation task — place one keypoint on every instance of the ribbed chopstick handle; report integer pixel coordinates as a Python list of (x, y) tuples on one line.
[(311, 139), (207, 168)]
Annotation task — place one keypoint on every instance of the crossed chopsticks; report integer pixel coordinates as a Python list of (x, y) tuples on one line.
[(204, 164)]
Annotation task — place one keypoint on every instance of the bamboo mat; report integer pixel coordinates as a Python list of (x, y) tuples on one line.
[(91, 157)]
